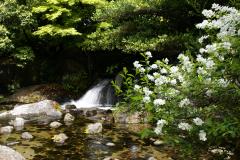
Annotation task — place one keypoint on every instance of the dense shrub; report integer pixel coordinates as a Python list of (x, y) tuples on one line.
[(195, 103)]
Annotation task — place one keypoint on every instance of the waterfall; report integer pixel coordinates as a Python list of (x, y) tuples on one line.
[(101, 95)]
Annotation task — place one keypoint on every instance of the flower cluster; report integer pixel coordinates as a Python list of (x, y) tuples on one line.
[(173, 93)]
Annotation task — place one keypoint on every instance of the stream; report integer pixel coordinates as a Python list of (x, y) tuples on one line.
[(79, 145)]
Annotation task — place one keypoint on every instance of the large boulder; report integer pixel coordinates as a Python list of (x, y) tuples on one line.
[(41, 111), (37, 93), (7, 153)]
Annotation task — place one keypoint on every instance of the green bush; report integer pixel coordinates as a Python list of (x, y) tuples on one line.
[(195, 103)]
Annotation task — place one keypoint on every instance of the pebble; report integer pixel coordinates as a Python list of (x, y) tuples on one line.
[(26, 135), (60, 138), (68, 118), (110, 144), (55, 124), (6, 129)]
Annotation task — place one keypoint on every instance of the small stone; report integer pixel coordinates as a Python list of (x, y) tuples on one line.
[(94, 128), (68, 118), (55, 124), (70, 106), (60, 138), (152, 158), (6, 129), (110, 144), (110, 158), (158, 142), (12, 143), (26, 135)]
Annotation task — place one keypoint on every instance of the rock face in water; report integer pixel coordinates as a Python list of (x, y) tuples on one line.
[(94, 128), (43, 110), (7, 153)]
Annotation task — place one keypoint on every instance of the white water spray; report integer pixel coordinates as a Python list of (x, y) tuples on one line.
[(100, 95)]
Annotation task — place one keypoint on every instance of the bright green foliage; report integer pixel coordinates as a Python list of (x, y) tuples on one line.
[(16, 22), (5, 41), (62, 18), (55, 31)]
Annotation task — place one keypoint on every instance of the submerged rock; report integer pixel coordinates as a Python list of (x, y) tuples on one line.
[(18, 123), (127, 118), (26, 135), (68, 118), (60, 138), (55, 124), (43, 111), (7, 153), (94, 128), (6, 129), (110, 144)]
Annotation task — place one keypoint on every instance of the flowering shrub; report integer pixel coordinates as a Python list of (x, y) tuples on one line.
[(195, 103)]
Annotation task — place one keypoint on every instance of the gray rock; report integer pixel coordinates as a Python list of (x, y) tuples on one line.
[(68, 118), (70, 106), (26, 135), (94, 128), (6, 129), (7, 153), (60, 138), (18, 123), (44, 110), (55, 124), (110, 144)]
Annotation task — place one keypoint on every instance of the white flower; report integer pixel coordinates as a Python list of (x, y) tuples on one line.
[(146, 99), (150, 77), (142, 70), (201, 39), (154, 66), (184, 102), (223, 82), (174, 69), (202, 135), (202, 25), (208, 13), (156, 75), (166, 60), (173, 81), (209, 63), (137, 87), (198, 121), (184, 126), (146, 91), (160, 124), (161, 80), (201, 71), (163, 71), (136, 64), (159, 102), (148, 54)]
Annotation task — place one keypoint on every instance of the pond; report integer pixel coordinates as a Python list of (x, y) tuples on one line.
[(120, 141)]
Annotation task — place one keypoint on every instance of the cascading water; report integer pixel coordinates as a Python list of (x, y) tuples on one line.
[(100, 95)]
